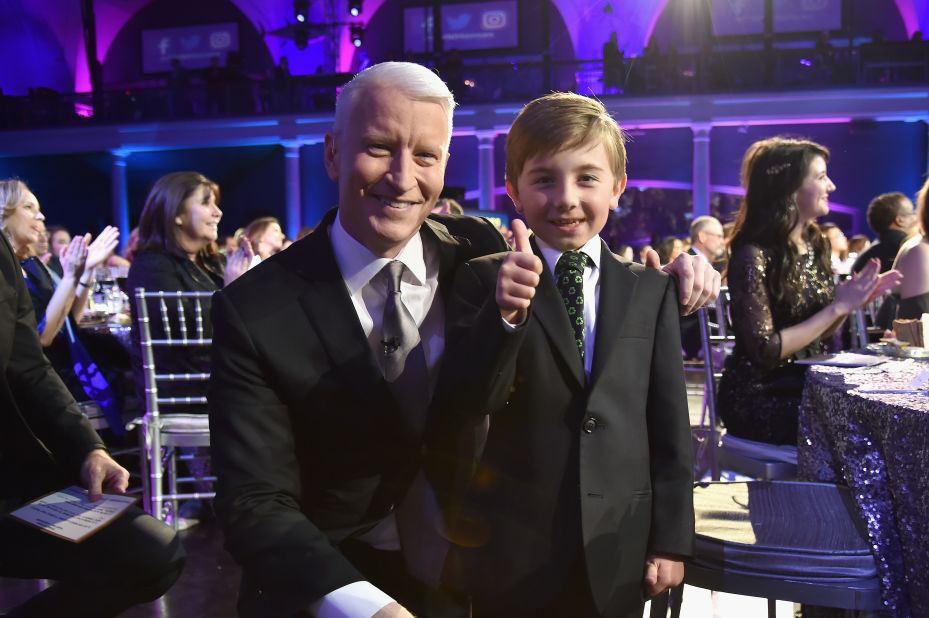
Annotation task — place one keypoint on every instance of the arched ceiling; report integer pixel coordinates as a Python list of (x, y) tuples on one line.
[(588, 22)]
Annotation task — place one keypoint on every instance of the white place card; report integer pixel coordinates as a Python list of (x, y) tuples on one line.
[(69, 513)]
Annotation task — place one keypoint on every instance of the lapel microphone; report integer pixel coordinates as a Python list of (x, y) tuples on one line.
[(390, 344)]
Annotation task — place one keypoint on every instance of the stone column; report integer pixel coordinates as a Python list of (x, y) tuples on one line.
[(294, 213), (120, 196), (486, 180), (701, 163)]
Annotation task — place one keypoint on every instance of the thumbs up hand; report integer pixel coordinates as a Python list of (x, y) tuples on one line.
[(518, 277)]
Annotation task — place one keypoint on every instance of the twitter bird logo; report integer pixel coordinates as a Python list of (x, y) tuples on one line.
[(460, 22)]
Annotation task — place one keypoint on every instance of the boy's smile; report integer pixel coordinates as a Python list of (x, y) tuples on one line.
[(566, 196)]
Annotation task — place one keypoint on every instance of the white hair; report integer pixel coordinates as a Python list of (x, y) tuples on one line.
[(699, 224), (413, 80)]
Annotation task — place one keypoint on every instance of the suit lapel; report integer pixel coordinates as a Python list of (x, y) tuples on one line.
[(330, 309), (617, 287), (548, 309)]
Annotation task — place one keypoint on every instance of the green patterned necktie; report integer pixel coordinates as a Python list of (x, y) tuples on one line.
[(569, 279)]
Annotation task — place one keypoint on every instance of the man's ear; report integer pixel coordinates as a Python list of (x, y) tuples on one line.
[(514, 195), (330, 158), (617, 193)]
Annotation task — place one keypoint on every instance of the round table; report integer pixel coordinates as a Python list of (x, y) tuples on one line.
[(878, 445)]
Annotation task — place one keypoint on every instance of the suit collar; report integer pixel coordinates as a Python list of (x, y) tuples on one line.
[(617, 287)]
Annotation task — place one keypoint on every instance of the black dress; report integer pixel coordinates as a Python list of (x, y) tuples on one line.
[(913, 308), (759, 394), (162, 271)]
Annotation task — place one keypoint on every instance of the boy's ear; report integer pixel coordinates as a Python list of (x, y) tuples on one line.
[(330, 158), (514, 195), (617, 192)]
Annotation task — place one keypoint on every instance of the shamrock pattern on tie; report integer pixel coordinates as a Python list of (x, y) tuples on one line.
[(569, 279)]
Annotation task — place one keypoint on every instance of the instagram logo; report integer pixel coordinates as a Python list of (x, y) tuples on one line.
[(493, 20), (220, 40)]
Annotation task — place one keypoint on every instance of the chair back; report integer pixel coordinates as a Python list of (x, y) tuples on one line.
[(182, 321), (177, 321)]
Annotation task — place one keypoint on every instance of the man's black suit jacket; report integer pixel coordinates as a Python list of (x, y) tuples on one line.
[(43, 436), (594, 469), (308, 444)]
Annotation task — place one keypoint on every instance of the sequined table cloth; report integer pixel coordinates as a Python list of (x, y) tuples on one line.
[(878, 445)]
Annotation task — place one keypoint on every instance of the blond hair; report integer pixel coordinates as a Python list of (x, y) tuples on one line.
[(561, 121)]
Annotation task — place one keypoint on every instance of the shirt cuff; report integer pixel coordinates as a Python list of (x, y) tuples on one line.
[(512, 328), (356, 600)]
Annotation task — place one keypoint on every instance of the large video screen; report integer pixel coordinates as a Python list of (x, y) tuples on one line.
[(807, 15), (465, 27), (737, 17), (192, 45)]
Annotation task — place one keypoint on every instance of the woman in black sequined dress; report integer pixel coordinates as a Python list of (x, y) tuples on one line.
[(784, 304)]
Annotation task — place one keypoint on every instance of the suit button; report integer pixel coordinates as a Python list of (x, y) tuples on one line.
[(590, 425)]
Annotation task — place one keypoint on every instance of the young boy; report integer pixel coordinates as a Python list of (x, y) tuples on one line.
[(580, 502)]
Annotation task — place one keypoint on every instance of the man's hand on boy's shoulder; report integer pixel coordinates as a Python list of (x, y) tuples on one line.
[(661, 573), (518, 277), (697, 280)]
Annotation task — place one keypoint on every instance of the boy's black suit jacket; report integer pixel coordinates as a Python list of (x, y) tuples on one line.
[(308, 444), (570, 465)]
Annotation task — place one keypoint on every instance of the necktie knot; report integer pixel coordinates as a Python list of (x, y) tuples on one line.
[(571, 262), (394, 276)]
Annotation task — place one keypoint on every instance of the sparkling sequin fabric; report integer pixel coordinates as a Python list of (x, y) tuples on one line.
[(878, 445), (759, 394)]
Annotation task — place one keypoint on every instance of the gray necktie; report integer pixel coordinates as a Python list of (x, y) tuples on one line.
[(402, 356)]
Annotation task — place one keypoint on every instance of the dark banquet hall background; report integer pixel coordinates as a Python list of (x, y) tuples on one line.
[(100, 98)]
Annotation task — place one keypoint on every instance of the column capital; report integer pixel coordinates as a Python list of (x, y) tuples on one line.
[(701, 130), (485, 138)]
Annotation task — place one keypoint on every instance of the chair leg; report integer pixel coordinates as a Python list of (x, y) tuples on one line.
[(659, 608), (172, 484), (676, 600), (772, 608)]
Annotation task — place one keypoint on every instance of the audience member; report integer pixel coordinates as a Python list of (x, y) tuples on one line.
[(625, 252), (177, 227), (58, 304), (522, 357), (857, 245), (784, 301), (669, 248), (709, 244), (893, 219), (46, 444), (317, 516), (265, 236), (840, 259), (707, 239), (58, 240), (913, 264), (176, 252), (448, 206)]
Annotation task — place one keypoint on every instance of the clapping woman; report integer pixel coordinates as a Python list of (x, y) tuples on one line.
[(784, 303)]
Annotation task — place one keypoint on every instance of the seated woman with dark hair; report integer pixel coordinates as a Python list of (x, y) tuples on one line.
[(784, 302), (176, 252), (913, 262)]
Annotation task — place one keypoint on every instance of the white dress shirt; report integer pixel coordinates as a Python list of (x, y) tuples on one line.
[(366, 282)]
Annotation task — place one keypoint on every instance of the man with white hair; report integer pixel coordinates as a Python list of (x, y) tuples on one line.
[(707, 239), (324, 357)]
